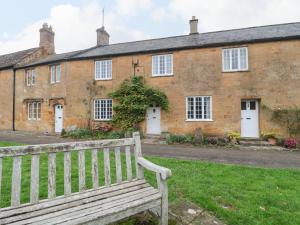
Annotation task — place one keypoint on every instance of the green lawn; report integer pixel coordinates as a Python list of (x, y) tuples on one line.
[(235, 194)]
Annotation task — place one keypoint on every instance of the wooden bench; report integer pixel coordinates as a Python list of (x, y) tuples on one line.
[(103, 203)]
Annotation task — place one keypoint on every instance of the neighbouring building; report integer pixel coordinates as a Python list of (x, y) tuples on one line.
[(218, 81)]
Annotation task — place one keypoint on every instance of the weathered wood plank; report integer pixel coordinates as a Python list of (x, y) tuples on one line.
[(16, 181), (128, 163), (163, 188), (165, 172), (81, 170), (67, 173), (107, 167), (138, 154), (60, 147), (51, 175), (105, 206), (45, 203), (118, 164), (104, 198), (95, 168), (35, 178)]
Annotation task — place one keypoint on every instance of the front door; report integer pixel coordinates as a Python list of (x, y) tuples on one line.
[(153, 120), (249, 119), (58, 118)]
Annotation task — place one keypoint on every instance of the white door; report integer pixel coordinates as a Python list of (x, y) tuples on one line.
[(249, 119), (58, 118), (153, 120)]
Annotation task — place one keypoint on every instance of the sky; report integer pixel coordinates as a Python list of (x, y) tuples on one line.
[(75, 21)]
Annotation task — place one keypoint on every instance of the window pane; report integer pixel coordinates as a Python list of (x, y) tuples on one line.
[(58, 73), (97, 70), (109, 69), (169, 64), (52, 76), (243, 105), (243, 58), (234, 58), (33, 77), (190, 108), (198, 105), (226, 59), (155, 65), (252, 105), (207, 111), (162, 69)]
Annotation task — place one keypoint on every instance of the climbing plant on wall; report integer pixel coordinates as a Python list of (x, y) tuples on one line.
[(131, 101)]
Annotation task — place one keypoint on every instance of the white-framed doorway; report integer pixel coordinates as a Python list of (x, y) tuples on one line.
[(153, 120), (58, 117), (250, 118)]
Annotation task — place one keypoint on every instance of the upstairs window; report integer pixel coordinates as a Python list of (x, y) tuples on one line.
[(103, 109), (103, 70), (162, 65), (30, 77), (199, 108), (55, 74), (34, 111), (235, 59)]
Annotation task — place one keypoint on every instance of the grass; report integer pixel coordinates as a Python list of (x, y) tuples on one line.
[(238, 195)]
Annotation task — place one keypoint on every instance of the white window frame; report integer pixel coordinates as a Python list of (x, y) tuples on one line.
[(99, 75), (30, 77), (202, 108), (55, 77), (231, 62), (99, 113), (154, 73), (35, 107)]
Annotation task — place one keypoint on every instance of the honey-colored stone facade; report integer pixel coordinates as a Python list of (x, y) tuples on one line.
[(6, 99), (273, 78)]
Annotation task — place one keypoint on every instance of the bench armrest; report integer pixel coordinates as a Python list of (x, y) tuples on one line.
[(165, 172)]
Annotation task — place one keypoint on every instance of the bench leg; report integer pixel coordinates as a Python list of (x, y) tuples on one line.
[(163, 187)]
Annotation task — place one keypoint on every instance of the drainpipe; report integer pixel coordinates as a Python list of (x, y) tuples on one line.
[(14, 100)]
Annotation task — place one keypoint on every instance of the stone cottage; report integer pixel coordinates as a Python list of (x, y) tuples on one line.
[(218, 81)]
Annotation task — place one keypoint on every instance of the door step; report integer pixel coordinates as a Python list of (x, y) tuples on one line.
[(253, 142), (154, 139)]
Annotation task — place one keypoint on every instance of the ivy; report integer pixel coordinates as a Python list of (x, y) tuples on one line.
[(133, 97)]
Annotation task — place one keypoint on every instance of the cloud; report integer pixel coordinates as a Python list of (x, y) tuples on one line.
[(132, 7), (74, 27), (219, 14)]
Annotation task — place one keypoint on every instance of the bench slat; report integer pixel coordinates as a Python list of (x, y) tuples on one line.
[(54, 148), (95, 168), (67, 173), (70, 213), (35, 178), (16, 181), (51, 175), (81, 170), (107, 167), (118, 164), (94, 213), (128, 163), (73, 206)]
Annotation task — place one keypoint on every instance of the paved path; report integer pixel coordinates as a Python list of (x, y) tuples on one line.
[(265, 158)]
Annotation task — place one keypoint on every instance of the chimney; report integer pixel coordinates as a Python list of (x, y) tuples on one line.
[(47, 39), (194, 25), (102, 37)]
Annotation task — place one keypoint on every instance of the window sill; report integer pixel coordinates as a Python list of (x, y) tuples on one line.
[(235, 71), (103, 79), (102, 120), (167, 75), (194, 120)]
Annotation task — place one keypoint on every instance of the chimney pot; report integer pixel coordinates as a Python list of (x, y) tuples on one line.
[(102, 36), (194, 25)]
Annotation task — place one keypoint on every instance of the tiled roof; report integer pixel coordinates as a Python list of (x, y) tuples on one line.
[(211, 39), (220, 38), (11, 59)]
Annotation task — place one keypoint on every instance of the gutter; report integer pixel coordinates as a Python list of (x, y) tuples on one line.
[(14, 100)]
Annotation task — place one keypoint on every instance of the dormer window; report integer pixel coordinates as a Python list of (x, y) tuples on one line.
[(30, 78), (55, 74)]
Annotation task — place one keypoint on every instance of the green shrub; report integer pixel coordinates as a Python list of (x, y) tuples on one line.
[(88, 134), (234, 136), (180, 139), (267, 135)]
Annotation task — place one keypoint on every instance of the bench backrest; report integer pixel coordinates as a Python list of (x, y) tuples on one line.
[(117, 146)]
